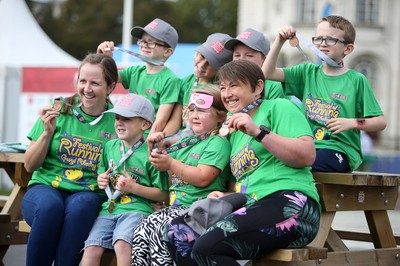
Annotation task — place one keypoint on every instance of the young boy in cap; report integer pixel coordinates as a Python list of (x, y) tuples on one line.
[(130, 181), (210, 56), (252, 45), (159, 84)]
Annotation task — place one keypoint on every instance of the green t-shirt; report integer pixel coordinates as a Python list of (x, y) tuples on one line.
[(74, 152), (324, 97), (159, 88), (212, 151), (258, 173), (139, 168), (273, 90)]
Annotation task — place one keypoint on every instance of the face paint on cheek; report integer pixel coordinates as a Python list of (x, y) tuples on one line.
[(202, 116)]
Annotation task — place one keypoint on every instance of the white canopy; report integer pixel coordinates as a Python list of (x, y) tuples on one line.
[(24, 43)]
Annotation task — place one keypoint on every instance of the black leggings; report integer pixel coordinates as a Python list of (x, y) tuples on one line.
[(280, 220)]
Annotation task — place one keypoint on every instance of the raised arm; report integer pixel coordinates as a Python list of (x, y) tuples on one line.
[(269, 68)]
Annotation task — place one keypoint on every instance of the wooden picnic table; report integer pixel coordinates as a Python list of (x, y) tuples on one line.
[(10, 215), (372, 193)]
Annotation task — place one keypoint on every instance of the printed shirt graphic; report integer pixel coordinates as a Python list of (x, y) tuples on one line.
[(212, 151), (73, 158), (140, 169), (324, 97), (258, 173)]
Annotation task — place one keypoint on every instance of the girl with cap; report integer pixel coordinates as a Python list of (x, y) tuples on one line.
[(63, 198), (130, 181), (210, 56), (157, 83), (271, 151), (197, 165)]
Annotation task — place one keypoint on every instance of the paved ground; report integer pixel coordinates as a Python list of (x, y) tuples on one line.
[(15, 256)]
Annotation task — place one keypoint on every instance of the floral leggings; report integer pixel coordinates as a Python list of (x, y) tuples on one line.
[(280, 220)]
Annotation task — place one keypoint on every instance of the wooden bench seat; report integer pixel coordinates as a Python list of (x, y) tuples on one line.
[(291, 255), (372, 193)]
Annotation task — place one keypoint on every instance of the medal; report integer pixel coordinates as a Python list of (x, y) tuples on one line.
[(111, 206), (294, 41), (57, 105), (224, 130)]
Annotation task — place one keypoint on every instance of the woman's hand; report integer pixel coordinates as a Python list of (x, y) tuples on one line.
[(244, 123), (48, 116)]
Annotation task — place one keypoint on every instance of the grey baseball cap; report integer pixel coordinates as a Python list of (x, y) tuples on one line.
[(160, 30), (204, 213), (133, 105), (251, 38), (214, 51)]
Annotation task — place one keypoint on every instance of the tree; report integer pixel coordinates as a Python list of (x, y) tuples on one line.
[(82, 25)]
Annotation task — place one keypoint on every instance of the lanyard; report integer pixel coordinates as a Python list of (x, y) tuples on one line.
[(125, 156), (75, 112), (188, 142), (224, 130)]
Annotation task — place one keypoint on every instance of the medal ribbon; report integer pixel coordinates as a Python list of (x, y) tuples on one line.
[(317, 52), (77, 114), (190, 141), (125, 156)]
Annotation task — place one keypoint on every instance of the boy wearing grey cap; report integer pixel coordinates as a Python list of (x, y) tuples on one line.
[(157, 40), (210, 56), (252, 45), (130, 182)]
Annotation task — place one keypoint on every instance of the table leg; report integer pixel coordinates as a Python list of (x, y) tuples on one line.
[(380, 229), (324, 228)]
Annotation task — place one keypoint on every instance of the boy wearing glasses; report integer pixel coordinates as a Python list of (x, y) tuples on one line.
[(157, 83), (337, 101)]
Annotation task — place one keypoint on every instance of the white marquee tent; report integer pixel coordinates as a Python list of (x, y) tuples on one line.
[(22, 43)]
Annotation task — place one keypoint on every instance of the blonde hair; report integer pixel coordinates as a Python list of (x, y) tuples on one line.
[(218, 107)]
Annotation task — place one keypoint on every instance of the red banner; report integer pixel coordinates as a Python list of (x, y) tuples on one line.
[(42, 79)]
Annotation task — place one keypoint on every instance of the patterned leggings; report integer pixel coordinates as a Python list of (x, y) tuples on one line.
[(283, 219), (148, 247)]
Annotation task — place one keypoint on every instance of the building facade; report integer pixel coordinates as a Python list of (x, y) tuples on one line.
[(376, 52)]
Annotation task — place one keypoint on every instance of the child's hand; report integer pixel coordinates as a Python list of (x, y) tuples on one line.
[(338, 125), (155, 137), (159, 205), (106, 48), (286, 33), (103, 179), (160, 161), (125, 183), (216, 195)]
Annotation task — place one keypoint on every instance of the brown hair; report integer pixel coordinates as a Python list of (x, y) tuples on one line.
[(339, 22), (242, 71), (110, 73)]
